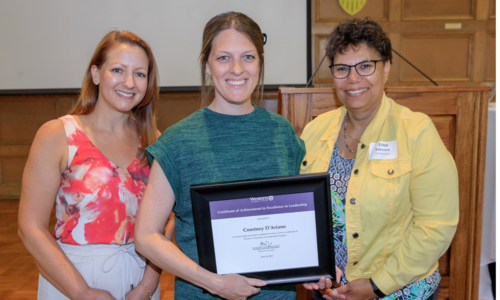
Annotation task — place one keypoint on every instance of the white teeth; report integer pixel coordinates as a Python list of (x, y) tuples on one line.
[(356, 92), (125, 94), (236, 82)]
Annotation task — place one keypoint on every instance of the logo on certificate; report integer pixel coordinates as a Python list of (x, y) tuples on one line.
[(261, 199), (266, 246)]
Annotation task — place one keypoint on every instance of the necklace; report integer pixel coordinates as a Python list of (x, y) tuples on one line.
[(345, 135)]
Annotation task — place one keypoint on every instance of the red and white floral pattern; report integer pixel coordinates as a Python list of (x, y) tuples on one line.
[(97, 201)]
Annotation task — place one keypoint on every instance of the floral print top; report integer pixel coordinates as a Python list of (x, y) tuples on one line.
[(97, 201), (340, 172)]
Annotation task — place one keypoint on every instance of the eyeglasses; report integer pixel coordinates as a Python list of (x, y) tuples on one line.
[(364, 68)]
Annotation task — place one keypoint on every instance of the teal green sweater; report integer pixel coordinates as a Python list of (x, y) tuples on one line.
[(209, 147)]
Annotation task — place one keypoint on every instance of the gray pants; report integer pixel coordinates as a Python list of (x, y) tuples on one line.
[(113, 268)]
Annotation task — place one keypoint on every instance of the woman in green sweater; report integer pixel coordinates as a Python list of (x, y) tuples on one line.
[(229, 139)]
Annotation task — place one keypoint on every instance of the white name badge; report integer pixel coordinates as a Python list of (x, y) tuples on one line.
[(383, 150)]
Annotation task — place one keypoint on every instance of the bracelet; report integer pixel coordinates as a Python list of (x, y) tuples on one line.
[(149, 291), (376, 290)]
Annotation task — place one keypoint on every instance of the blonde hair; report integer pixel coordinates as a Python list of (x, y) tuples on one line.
[(144, 114)]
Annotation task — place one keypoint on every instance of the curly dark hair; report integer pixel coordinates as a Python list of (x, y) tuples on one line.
[(353, 32)]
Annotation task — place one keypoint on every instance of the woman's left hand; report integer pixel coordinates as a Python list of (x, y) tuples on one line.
[(138, 293), (359, 289), (325, 283)]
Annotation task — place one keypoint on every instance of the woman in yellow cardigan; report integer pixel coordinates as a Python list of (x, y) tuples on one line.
[(394, 184)]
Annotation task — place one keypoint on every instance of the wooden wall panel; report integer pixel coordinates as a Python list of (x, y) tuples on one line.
[(174, 107), (20, 119), (444, 264), (469, 18), (323, 75), (11, 171), (331, 11), (443, 57), (437, 10), (492, 9), (14, 150), (491, 57)]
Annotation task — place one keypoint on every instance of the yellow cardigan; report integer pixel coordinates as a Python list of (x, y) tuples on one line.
[(401, 204)]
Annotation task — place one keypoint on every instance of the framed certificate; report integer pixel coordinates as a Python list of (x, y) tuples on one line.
[(275, 229)]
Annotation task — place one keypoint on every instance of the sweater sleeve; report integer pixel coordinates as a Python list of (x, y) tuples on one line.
[(160, 152)]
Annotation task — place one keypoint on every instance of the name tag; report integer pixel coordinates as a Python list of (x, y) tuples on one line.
[(383, 150)]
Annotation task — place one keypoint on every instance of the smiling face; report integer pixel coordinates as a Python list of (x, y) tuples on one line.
[(362, 94), (123, 78), (233, 64)]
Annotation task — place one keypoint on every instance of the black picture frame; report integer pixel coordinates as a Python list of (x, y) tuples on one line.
[(318, 183)]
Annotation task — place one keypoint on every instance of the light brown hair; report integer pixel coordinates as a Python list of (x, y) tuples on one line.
[(244, 25), (144, 114)]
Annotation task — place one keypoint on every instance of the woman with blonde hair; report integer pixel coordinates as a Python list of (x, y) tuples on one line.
[(92, 162)]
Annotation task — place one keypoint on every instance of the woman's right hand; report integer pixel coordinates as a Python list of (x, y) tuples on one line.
[(325, 283), (97, 294), (237, 287)]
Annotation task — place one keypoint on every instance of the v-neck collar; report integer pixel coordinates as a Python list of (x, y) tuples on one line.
[(79, 128)]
